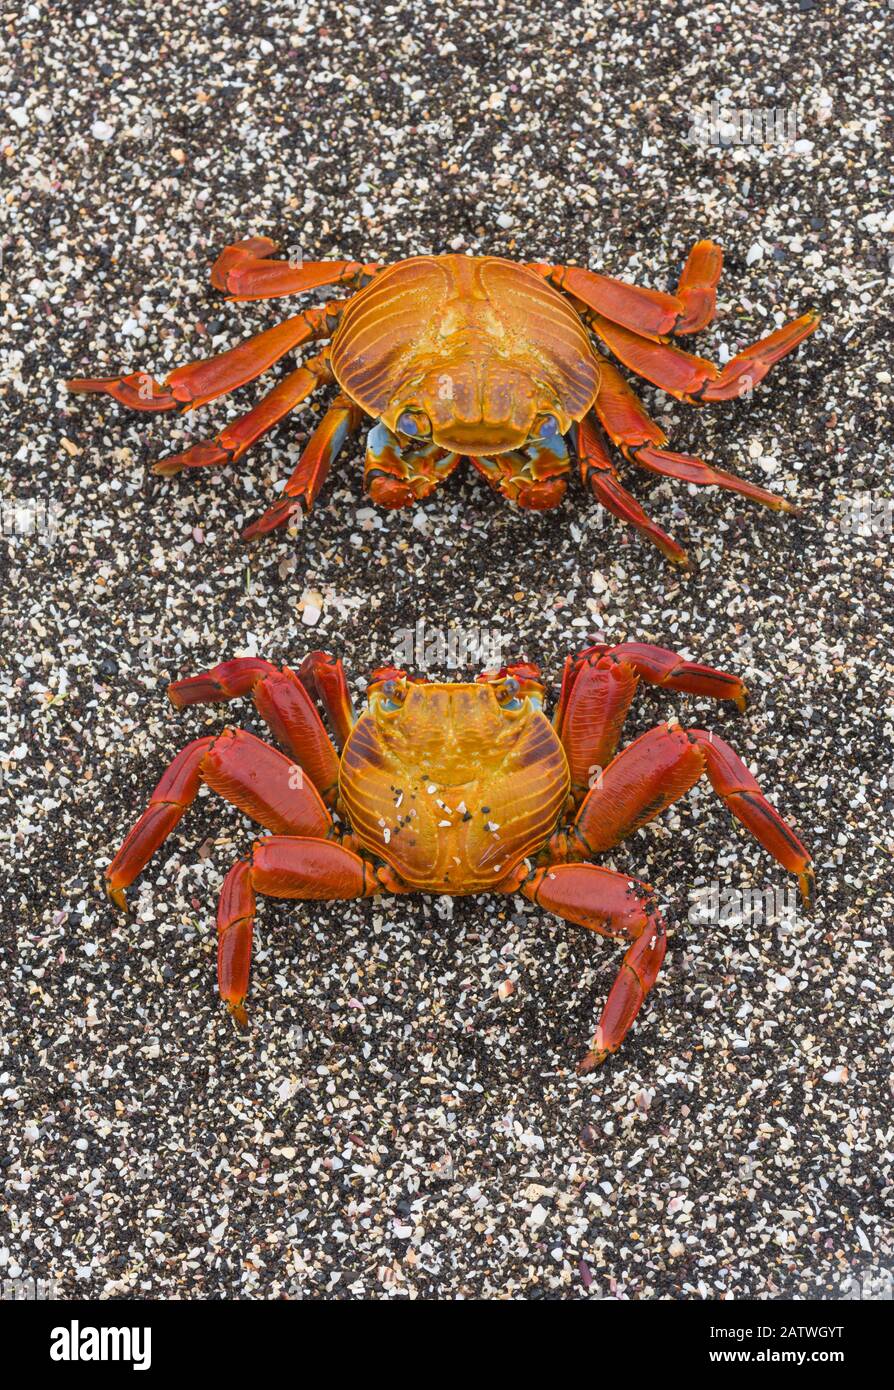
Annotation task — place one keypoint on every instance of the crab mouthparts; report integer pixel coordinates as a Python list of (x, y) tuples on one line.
[(478, 442)]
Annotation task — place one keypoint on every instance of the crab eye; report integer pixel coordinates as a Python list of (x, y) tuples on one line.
[(393, 695), (414, 424), (507, 695), (547, 426)]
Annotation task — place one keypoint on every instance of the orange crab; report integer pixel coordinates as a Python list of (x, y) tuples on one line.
[(475, 357), (456, 789)]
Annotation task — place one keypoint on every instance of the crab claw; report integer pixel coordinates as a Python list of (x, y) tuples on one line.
[(532, 477), (397, 475)]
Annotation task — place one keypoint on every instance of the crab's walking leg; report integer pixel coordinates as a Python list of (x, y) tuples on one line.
[(238, 436), (341, 420), (244, 770), (649, 313), (279, 867), (598, 686), (629, 427), (697, 288), (246, 271), (695, 379), (599, 475), (324, 676), (617, 906), (210, 377), (656, 770), (284, 701)]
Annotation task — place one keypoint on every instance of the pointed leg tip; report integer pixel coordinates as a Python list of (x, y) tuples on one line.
[(807, 885), (166, 468), (741, 701), (118, 896), (593, 1059), (237, 1013)]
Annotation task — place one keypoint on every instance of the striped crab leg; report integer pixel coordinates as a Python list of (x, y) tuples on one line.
[(695, 379), (246, 270), (204, 380), (639, 438), (650, 313)]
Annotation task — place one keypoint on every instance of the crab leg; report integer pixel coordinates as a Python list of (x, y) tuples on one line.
[(204, 380), (245, 271), (599, 475), (283, 701), (617, 906), (697, 287), (598, 686), (695, 379), (324, 676), (630, 428), (656, 770), (279, 867), (239, 435), (245, 771), (649, 313), (341, 420)]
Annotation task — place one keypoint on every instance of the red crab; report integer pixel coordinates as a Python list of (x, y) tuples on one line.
[(476, 357), (456, 789)]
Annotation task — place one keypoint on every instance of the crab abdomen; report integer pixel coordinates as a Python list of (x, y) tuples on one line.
[(453, 806)]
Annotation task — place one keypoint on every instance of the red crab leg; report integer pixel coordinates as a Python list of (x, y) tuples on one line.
[(240, 434), (341, 420), (324, 676), (598, 474), (598, 685), (137, 391), (649, 313), (695, 379), (597, 691), (697, 288), (204, 380), (656, 770), (613, 905), (284, 703), (660, 666), (244, 770), (280, 867), (244, 271), (629, 427)]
